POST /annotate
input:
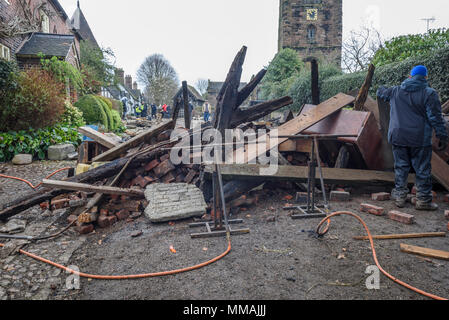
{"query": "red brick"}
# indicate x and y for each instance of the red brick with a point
(72, 218)
(382, 196)
(372, 209)
(165, 157)
(59, 204)
(85, 228)
(122, 214)
(446, 214)
(446, 198)
(153, 164)
(104, 222)
(44, 205)
(164, 168)
(401, 217)
(141, 181)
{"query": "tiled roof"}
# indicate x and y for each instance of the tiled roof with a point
(80, 24)
(57, 45)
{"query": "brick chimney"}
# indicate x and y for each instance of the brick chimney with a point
(120, 74)
(129, 82)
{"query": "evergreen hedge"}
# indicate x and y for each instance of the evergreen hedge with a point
(394, 74)
(93, 110)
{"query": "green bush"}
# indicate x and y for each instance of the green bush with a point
(281, 74)
(35, 142)
(407, 46)
(72, 117)
(118, 124)
(37, 102)
(394, 74)
(93, 110)
(108, 111)
(117, 106)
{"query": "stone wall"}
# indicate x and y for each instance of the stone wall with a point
(312, 27)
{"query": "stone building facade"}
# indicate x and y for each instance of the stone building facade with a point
(314, 28)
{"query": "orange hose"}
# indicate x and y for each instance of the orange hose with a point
(339, 213)
(29, 183)
(127, 277)
(104, 277)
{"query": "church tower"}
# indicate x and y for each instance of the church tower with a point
(314, 28)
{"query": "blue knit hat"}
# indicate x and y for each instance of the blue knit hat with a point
(419, 70)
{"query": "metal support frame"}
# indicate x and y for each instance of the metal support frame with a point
(215, 227)
(312, 210)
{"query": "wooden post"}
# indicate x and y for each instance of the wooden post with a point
(363, 93)
(185, 95)
(315, 82)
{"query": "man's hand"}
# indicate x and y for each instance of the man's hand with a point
(442, 144)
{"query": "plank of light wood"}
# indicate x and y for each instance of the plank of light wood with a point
(300, 173)
(440, 170)
(425, 252)
(72, 186)
(114, 153)
(404, 236)
(98, 137)
(303, 122)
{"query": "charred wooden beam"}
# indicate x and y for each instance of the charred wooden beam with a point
(259, 111)
(246, 91)
(363, 93)
(185, 98)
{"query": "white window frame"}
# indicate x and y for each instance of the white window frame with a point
(5, 52)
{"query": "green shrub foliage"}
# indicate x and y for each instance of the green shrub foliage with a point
(93, 110)
(35, 142)
(394, 74)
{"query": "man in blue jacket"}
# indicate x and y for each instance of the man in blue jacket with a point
(415, 113)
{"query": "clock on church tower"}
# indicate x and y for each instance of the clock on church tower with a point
(312, 27)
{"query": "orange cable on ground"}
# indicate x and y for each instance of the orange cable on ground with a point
(339, 213)
(127, 277)
(29, 183)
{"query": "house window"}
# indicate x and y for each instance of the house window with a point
(45, 22)
(311, 33)
(5, 53)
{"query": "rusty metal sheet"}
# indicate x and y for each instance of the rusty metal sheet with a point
(360, 123)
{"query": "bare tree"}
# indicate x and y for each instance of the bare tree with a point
(202, 85)
(159, 79)
(360, 48)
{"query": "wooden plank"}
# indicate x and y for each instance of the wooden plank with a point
(440, 170)
(363, 93)
(303, 122)
(300, 173)
(98, 137)
(425, 252)
(445, 107)
(146, 136)
(404, 236)
(72, 186)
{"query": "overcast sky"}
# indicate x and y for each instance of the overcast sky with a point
(201, 37)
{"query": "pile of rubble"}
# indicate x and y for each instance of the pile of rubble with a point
(121, 180)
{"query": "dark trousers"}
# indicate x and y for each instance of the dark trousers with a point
(419, 159)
